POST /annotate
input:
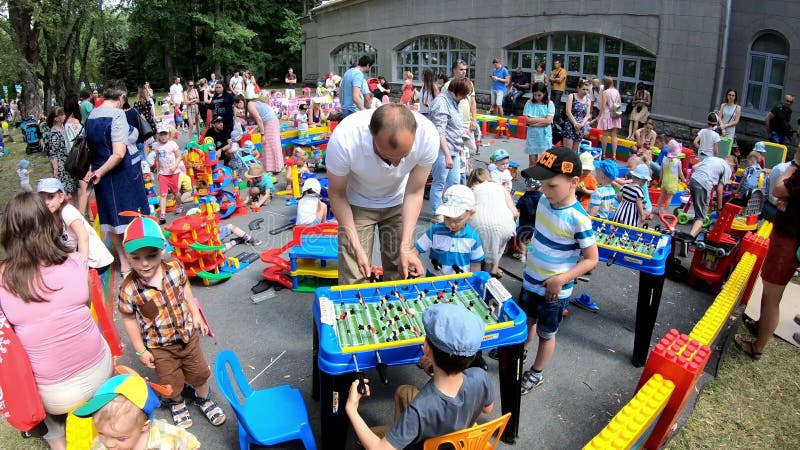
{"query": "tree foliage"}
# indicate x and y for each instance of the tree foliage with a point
(51, 47)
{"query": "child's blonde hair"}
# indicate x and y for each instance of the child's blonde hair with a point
(409, 74)
(118, 411)
(300, 153)
(478, 176)
(754, 157)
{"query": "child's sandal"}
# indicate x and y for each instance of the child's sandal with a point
(212, 411)
(180, 414)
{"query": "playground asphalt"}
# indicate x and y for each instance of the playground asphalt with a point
(587, 382)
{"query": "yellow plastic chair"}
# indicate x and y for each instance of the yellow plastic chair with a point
(479, 437)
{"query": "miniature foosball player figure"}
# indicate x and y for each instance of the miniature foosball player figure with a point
(455, 391)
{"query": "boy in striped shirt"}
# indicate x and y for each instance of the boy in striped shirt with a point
(454, 246)
(563, 230)
(604, 197)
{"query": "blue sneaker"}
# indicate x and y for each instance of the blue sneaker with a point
(585, 302)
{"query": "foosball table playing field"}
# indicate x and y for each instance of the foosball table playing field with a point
(378, 325)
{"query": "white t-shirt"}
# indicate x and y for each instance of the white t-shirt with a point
(708, 138)
(503, 178)
(307, 209)
(176, 92)
(237, 85)
(99, 256)
(166, 156)
(371, 182)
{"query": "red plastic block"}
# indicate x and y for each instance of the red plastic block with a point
(680, 360)
(757, 246)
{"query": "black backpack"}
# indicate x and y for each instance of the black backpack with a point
(78, 160)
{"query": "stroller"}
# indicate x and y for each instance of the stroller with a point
(31, 132)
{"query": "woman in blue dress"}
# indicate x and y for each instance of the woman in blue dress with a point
(579, 112)
(116, 170)
(538, 112)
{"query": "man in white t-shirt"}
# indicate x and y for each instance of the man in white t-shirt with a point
(237, 83)
(176, 92)
(378, 162)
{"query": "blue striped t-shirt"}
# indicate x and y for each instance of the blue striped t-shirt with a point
(604, 197)
(448, 248)
(559, 236)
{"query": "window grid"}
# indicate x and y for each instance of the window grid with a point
(762, 94)
(586, 55)
(434, 52)
(347, 56)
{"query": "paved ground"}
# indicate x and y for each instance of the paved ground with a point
(588, 381)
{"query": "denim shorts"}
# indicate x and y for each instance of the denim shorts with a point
(545, 315)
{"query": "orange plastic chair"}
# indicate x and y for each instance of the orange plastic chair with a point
(479, 437)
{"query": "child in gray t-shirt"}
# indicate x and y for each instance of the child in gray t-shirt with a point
(452, 400)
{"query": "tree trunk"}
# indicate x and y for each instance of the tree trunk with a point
(25, 36)
(167, 65)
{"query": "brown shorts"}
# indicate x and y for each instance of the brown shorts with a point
(781, 260)
(180, 364)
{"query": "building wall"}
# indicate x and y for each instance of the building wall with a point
(748, 19)
(684, 35)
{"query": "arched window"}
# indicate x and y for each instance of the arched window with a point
(766, 73)
(434, 52)
(347, 56)
(587, 55)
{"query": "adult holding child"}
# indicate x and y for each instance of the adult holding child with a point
(44, 287)
(378, 162)
(116, 172)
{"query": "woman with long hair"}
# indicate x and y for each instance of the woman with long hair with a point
(73, 126)
(44, 293)
(193, 107)
(729, 114)
(579, 113)
(144, 104)
(57, 148)
(538, 112)
(428, 92)
(641, 109)
(540, 76)
(408, 89)
(609, 121)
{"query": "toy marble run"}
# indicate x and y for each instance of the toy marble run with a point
(210, 178)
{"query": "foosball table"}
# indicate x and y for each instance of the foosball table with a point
(646, 251)
(378, 325)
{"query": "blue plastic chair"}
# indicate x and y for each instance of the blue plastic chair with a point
(255, 413)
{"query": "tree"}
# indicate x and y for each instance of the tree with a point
(25, 33)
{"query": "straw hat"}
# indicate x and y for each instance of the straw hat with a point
(254, 171)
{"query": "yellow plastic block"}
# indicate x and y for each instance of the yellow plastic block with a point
(313, 268)
(80, 432)
(255, 138)
(765, 230)
(706, 330)
(635, 418)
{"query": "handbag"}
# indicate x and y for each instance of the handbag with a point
(618, 110)
(145, 129)
(78, 160)
(21, 404)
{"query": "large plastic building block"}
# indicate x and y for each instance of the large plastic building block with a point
(757, 245)
(680, 360)
(709, 326)
(633, 424)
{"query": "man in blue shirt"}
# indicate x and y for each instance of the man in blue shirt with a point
(500, 78)
(352, 85)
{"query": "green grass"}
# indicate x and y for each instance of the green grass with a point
(8, 166)
(750, 405)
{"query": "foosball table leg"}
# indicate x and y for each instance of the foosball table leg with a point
(648, 302)
(334, 423)
(511, 365)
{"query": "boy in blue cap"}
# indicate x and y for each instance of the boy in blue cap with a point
(122, 411)
(453, 399)
(604, 197)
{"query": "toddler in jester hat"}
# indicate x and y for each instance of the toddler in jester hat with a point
(451, 400)
(122, 411)
(162, 320)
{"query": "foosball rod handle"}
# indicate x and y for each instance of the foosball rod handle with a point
(382, 368)
(611, 259)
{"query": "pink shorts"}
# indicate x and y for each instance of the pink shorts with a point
(169, 183)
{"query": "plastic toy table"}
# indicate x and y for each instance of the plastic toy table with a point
(317, 139)
(309, 258)
(378, 325)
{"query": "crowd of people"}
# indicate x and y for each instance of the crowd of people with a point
(378, 162)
